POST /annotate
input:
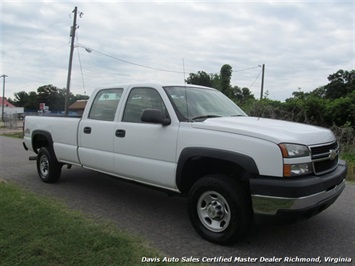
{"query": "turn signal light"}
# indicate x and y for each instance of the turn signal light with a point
(287, 170)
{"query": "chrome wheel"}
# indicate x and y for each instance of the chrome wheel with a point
(48, 167)
(44, 165)
(219, 208)
(213, 211)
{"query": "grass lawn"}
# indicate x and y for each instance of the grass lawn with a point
(17, 135)
(35, 230)
(349, 157)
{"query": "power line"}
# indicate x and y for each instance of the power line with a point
(144, 66)
(81, 70)
(255, 79)
(34, 35)
(148, 67)
(245, 69)
(139, 65)
(131, 63)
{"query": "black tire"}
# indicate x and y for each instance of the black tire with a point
(219, 209)
(48, 168)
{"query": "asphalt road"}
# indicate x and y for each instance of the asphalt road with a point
(164, 222)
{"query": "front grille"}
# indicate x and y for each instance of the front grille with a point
(324, 150)
(324, 166)
(325, 158)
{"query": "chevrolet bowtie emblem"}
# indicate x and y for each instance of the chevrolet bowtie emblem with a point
(332, 154)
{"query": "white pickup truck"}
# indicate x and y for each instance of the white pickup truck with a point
(194, 141)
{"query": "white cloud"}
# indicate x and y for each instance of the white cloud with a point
(300, 42)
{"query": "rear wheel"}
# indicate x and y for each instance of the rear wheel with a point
(48, 168)
(219, 209)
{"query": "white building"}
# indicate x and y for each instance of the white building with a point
(9, 108)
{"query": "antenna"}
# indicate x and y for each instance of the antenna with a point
(183, 69)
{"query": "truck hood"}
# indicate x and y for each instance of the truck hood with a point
(277, 131)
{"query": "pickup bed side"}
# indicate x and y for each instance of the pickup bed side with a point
(58, 133)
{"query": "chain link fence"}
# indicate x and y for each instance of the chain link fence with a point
(11, 121)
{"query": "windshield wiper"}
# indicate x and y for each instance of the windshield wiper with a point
(204, 117)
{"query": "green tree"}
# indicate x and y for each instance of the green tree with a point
(215, 79)
(48, 94)
(306, 107)
(27, 100)
(225, 76)
(201, 78)
(221, 81)
(319, 92)
(340, 84)
(33, 102)
(242, 95)
(266, 108)
(53, 97)
(341, 111)
(21, 98)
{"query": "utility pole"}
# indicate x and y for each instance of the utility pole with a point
(72, 35)
(262, 82)
(3, 97)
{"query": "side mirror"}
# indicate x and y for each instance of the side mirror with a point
(155, 116)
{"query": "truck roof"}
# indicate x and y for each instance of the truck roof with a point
(152, 84)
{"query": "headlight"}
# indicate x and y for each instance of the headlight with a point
(297, 161)
(297, 169)
(294, 150)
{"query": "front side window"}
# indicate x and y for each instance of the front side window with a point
(105, 104)
(140, 99)
(196, 103)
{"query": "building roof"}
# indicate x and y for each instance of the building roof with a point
(6, 103)
(78, 105)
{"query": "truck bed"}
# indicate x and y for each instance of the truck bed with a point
(64, 132)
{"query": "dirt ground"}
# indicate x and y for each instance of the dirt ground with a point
(5, 130)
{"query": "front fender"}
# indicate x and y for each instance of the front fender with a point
(245, 162)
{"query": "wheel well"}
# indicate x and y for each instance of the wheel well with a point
(41, 140)
(198, 167)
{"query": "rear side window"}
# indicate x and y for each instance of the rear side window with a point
(105, 104)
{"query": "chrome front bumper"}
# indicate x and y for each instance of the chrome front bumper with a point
(269, 205)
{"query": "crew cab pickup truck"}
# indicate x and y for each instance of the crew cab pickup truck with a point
(196, 142)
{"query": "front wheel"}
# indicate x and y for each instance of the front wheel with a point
(219, 209)
(48, 168)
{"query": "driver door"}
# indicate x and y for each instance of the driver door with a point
(145, 152)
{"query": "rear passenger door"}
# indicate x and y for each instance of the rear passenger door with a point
(97, 132)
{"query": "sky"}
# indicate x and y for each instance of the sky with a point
(300, 42)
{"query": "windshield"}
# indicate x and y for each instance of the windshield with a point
(192, 103)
